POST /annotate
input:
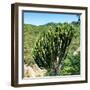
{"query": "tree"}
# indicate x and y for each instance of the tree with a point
(52, 46)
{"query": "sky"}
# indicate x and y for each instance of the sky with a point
(37, 18)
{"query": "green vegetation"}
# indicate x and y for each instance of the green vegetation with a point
(52, 46)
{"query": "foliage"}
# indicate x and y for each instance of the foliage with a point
(71, 64)
(52, 47)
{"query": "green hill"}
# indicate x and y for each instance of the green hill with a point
(71, 65)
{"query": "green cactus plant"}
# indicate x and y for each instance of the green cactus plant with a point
(52, 46)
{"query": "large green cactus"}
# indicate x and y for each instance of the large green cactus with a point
(52, 46)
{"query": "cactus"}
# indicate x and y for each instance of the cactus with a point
(52, 46)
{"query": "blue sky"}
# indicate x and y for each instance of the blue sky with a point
(43, 18)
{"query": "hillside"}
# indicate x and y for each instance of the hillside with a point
(71, 64)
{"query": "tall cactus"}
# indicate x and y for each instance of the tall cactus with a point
(52, 46)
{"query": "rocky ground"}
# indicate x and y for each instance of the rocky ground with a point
(33, 71)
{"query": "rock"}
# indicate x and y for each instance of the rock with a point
(34, 71)
(28, 71)
(76, 52)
